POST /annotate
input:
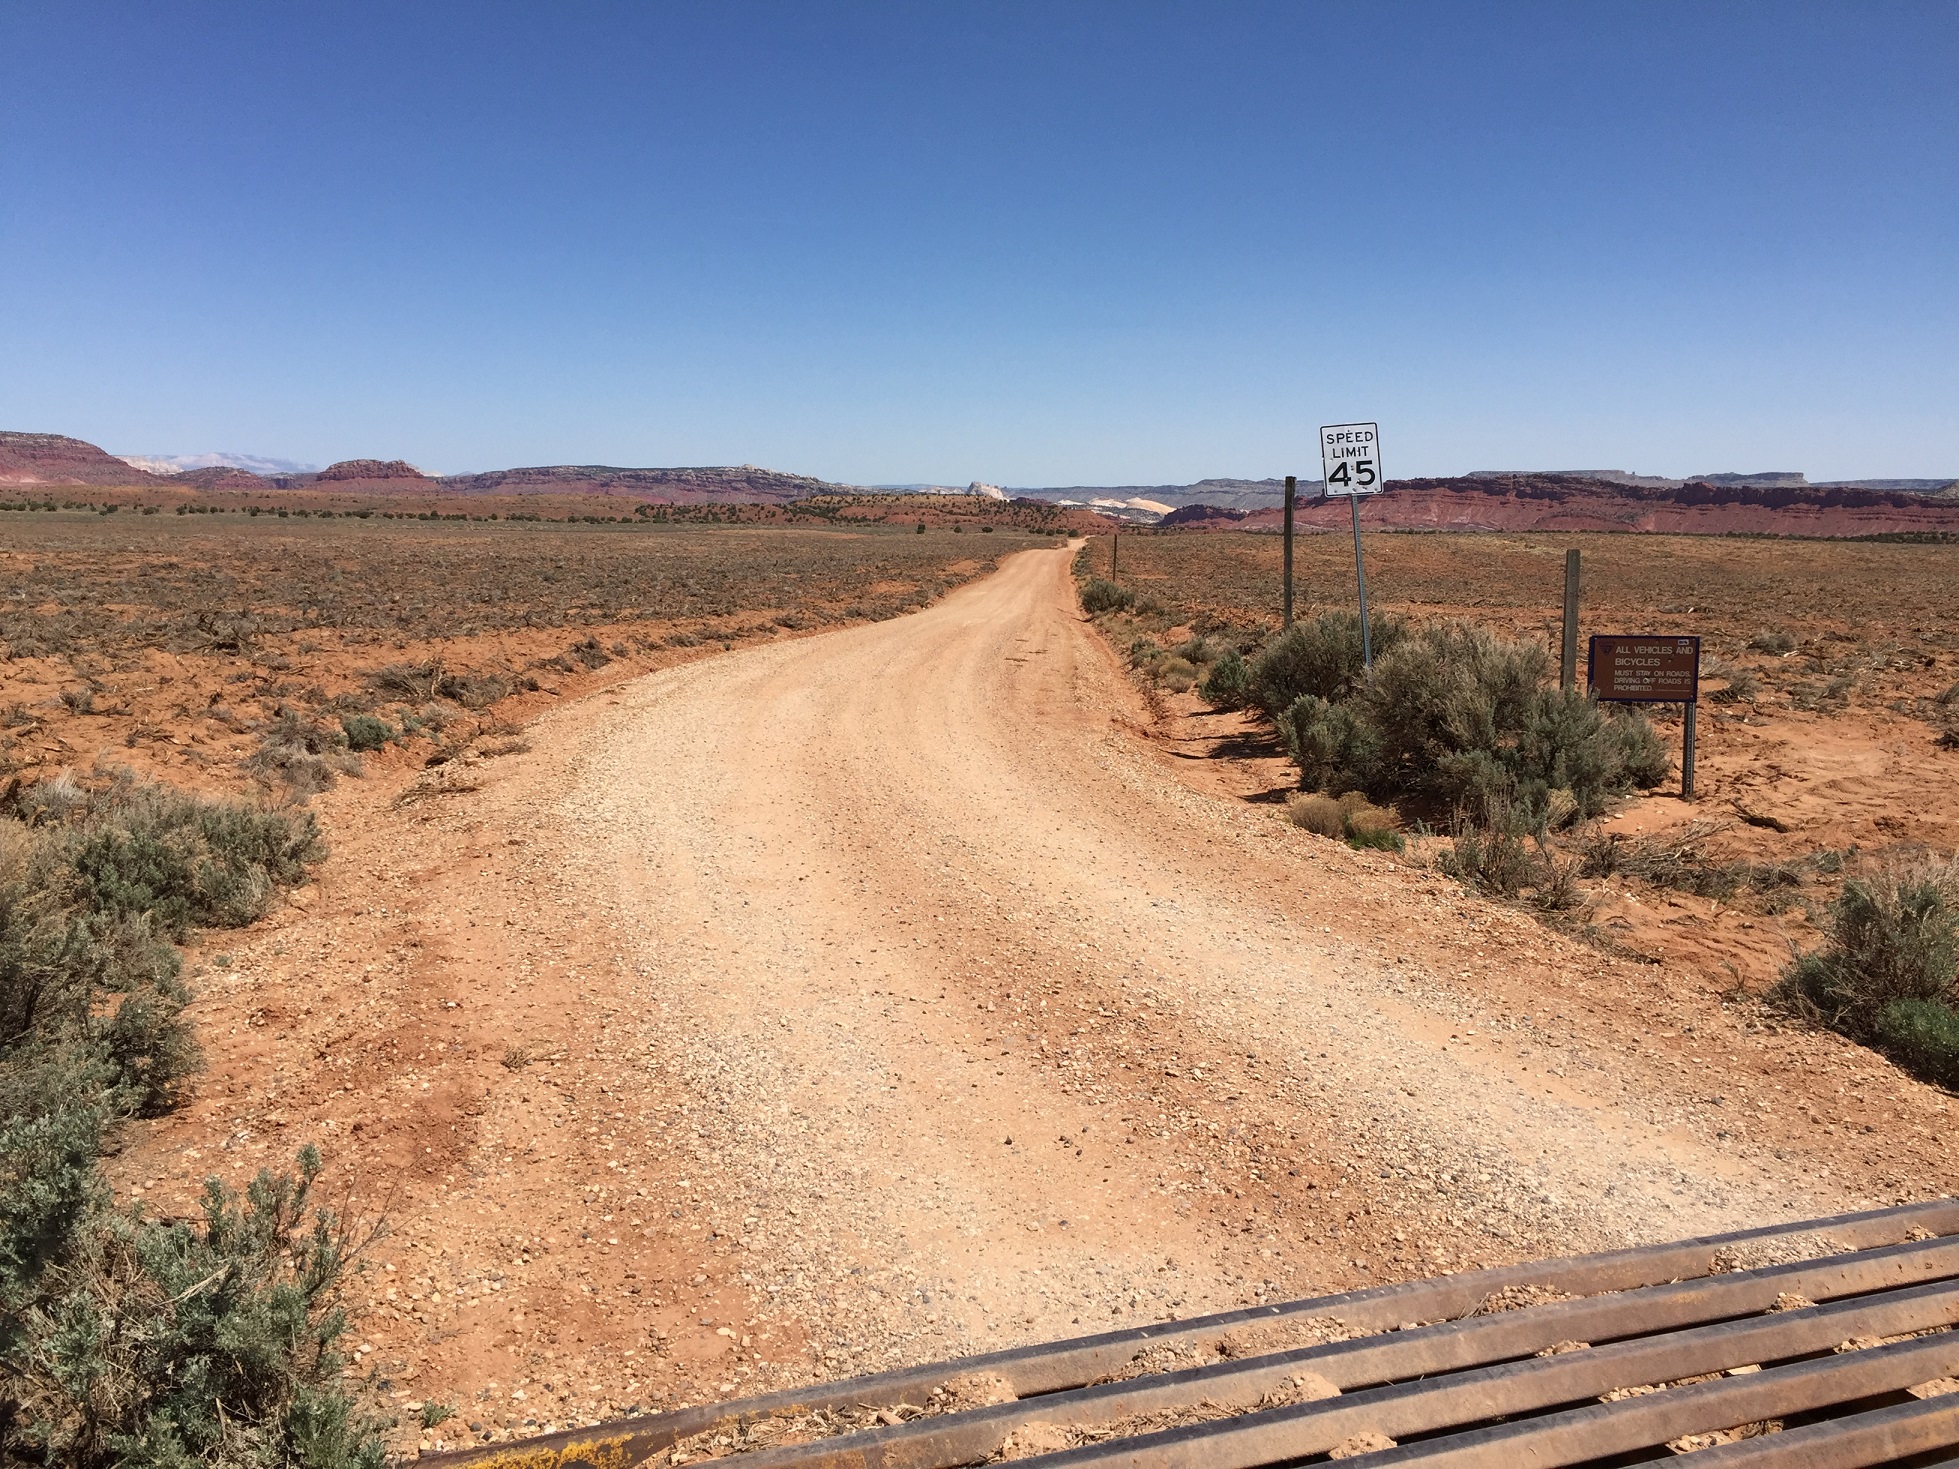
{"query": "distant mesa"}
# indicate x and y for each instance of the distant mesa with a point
(716, 484)
(56, 459)
(1204, 515)
(1772, 502)
(220, 477)
(370, 469)
(1774, 479)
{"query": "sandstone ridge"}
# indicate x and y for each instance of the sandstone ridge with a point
(56, 459)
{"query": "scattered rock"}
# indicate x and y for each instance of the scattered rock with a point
(1361, 1443)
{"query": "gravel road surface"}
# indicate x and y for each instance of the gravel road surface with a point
(897, 992)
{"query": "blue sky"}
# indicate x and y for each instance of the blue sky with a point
(1030, 244)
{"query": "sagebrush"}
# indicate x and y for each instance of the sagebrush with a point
(125, 1340)
(1888, 973)
(1452, 718)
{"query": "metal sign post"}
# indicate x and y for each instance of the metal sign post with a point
(1350, 465)
(1292, 487)
(1568, 664)
(1650, 670)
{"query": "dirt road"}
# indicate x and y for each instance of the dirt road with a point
(884, 995)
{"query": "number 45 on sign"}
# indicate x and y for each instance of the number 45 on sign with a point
(1350, 458)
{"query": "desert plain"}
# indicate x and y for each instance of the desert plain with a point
(764, 953)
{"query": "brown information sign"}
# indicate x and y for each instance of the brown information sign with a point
(1631, 669)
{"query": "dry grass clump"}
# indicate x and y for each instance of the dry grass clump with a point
(1321, 815)
(302, 754)
(429, 680)
(1680, 859)
(1505, 852)
(1351, 818)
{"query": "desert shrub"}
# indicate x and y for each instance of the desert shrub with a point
(1637, 756)
(365, 731)
(50, 1137)
(1176, 674)
(1333, 744)
(1229, 683)
(1196, 649)
(412, 681)
(124, 1340)
(209, 1343)
(590, 653)
(1923, 1035)
(1680, 859)
(423, 682)
(89, 988)
(1743, 684)
(1494, 860)
(1321, 657)
(1890, 938)
(1773, 640)
(480, 690)
(1455, 716)
(1102, 595)
(180, 861)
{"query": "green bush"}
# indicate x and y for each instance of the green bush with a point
(1229, 683)
(52, 1115)
(172, 1344)
(1101, 595)
(1320, 657)
(1888, 973)
(1924, 1035)
(124, 1341)
(1331, 743)
(1453, 718)
(186, 862)
(365, 731)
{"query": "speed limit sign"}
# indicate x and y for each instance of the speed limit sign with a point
(1350, 458)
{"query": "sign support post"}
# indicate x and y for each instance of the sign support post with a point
(1360, 576)
(1292, 486)
(1568, 668)
(1350, 464)
(1687, 756)
(1115, 540)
